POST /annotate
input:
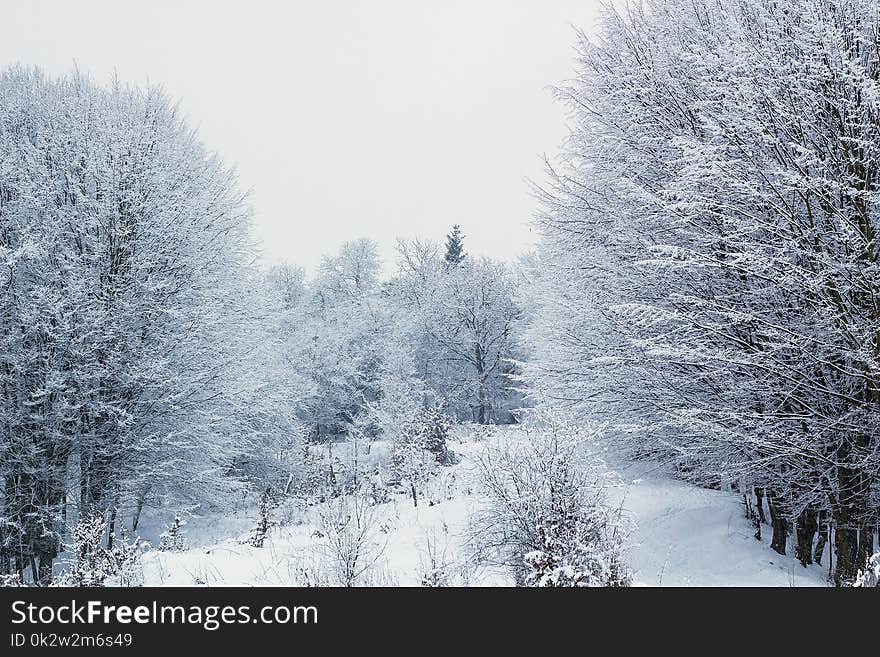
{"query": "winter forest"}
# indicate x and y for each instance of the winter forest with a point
(680, 385)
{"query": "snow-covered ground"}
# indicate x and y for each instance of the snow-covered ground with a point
(295, 550)
(684, 536)
(691, 536)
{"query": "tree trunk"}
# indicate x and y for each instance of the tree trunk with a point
(851, 529)
(759, 497)
(111, 527)
(824, 529)
(778, 524)
(5, 560)
(35, 572)
(142, 499)
(481, 380)
(846, 547)
(45, 570)
(805, 530)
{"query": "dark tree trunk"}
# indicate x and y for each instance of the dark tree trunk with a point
(846, 548)
(136, 519)
(824, 528)
(851, 529)
(45, 571)
(777, 523)
(481, 408)
(35, 571)
(752, 515)
(805, 530)
(5, 559)
(759, 503)
(95, 482)
(111, 528)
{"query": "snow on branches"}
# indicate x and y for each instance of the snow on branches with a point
(547, 520)
(708, 272)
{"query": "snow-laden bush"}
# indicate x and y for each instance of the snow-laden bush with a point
(427, 430)
(870, 576)
(421, 449)
(568, 554)
(413, 466)
(264, 522)
(435, 568)
(430, 428)
(124, 560)
(376, 490)
(119, 564)
(316, 484)
(173, 540)
(88, 568)
(351, 542)
(547, 519)
(482, 432)
(10, 580)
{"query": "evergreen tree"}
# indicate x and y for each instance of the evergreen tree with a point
(454, 246)
(173, 540)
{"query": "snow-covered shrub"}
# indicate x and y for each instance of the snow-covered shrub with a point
(547, 520)
(173, 540)
(482, 432)
(434, 564)
(95, 565)
(10, 580)
(311, 573)
(315, 485)
(430, 428)
(352, 544)
(124, 560)
(870, 576)
(413, 466)
(568, 555)
(258, 537)
(375, 489)
(325, 474)
(421, 449)
(89, 567)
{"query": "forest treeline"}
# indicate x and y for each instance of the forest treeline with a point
(148, 361)
(709, 269)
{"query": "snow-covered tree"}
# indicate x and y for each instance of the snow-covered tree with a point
(454, 247)
(468, 315)
(125, 275)
(332, 338)
(93, 564)
(707, 278)
(173, 539)
(264, 523)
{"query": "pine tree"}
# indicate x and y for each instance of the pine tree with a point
(454, 247)
(173, 540)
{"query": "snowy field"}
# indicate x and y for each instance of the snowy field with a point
(684, 536)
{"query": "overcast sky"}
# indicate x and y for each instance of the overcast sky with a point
(378, 118)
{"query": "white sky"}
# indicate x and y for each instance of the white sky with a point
(379, 118)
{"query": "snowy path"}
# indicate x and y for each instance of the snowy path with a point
(690, 536)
